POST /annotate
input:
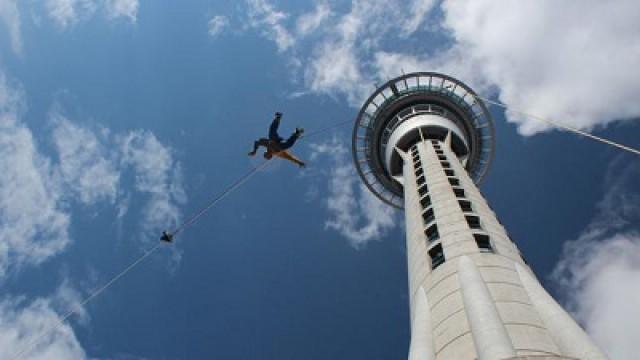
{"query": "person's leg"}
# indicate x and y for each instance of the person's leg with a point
(256, 144)
(290, 141)
(273, 129)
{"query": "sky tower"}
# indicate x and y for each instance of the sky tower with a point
(423, 142)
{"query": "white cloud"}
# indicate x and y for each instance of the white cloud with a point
(123, 8)
(308, 23)
(543, 57)
(342, 61)
(158, 175)
(217, 24)
(36, 192)
(417, 14)
(599, 273)
(67, 13)
(354, 212)
(10, 16)
(33, 225)
(84, 162)
(263, 16)
(34, 330)
(548, 58)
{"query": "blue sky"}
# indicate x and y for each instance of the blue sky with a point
(119, 118)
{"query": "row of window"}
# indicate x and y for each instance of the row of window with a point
(436, 253)
(428, 215)
(482, 240)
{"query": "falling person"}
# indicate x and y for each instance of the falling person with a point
(276, 145)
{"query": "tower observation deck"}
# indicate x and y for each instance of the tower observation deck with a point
(423, 142)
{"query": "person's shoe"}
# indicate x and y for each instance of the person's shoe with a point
(252, 153)
(299, 131)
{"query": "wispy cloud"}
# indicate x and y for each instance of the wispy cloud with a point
(353, 211)
(86, 163)
(123, 8)
(217, 24)
(158, 175)
(67, 13)
(310, 22)
(265, 17)
(599, 272)
(341, 45)
(10, 16)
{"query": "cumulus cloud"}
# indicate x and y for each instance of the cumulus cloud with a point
(33, 224)
(264, 16)
(34, 330)
(548, 58)
(85, 162)
(10, 16)
(354, 212)
(36, 190)
(217, 24)
(599, 272)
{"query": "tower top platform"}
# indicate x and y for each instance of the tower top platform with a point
(398, 112)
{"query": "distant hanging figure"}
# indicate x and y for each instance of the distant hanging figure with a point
(275, 144)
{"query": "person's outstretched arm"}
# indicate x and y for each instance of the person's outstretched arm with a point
(288, 156)
(256, 144)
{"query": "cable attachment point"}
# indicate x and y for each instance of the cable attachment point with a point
(166, 237)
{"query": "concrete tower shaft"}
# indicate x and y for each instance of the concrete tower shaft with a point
(472, 296)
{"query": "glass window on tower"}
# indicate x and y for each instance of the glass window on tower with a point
(428, 216)
(432, 233)
(465, 205)
(425, 202)
(437, 256)
(483, 242)
(473, 221)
